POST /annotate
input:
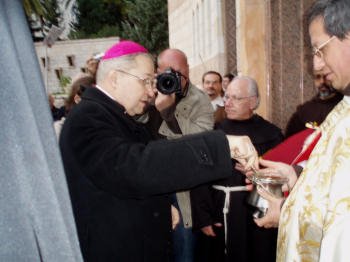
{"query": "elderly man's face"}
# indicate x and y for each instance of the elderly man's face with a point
(334, 63)
(239, 104)
(212, 85)
(134, 94)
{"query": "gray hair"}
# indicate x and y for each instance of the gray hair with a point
(253, 89)
(336, 16)
(124, 63)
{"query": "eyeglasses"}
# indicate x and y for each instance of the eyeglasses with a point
(235, 98)
(207, 82)
(146, 81)
(317, 51)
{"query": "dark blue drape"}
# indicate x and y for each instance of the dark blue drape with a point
(36, 221)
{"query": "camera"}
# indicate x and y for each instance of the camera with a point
(169, 82)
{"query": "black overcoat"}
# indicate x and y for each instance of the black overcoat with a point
(118, 179)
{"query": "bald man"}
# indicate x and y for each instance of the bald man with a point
(185, 111)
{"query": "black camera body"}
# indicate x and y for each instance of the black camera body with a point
(169, 82)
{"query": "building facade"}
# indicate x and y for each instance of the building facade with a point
(265, 39)
(66, 59)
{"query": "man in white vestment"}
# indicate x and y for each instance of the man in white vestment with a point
(314, 223)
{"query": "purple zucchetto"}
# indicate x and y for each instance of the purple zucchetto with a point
(124, 48)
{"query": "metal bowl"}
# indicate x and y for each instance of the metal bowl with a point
(272, 184)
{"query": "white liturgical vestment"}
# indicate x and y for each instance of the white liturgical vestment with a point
(315, 219)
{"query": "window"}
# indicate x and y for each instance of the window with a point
(59, 73)
(71, 60)
(43, 62)
(83, 69)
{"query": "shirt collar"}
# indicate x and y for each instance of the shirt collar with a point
(105, 92)
(218, 101)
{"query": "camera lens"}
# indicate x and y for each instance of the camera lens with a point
(169, 82)
(166, 84)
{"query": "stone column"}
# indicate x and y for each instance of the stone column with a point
(291, 79)
(272, 48)
(252, 46)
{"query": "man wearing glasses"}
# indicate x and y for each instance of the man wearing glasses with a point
(235, 229)
(314, 222)
(118, 178)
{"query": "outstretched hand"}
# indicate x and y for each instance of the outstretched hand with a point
(272, 216)
(279, 169)
(243, 151)
(248, 174)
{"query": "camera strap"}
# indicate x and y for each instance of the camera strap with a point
(182, 94)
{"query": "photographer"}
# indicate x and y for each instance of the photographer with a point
(184, 109)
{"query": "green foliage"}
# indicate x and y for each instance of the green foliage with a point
(52, 14)
(41, 15)
(147, 24)
(98, 18)
(105, 31)
(33, 7)
(143, 21)
(64, 82)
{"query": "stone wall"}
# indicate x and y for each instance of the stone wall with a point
(197, 28)
(77, 51)
(265, 39)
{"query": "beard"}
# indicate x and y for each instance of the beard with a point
(326, 91)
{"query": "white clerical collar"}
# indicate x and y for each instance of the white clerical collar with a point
(105, 92)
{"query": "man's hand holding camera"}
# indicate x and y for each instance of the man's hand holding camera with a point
(164, 102)
(168, 86)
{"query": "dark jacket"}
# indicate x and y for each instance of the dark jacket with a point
(118, 179)
(315, 110)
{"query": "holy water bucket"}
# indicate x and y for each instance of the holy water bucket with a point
(272, 184)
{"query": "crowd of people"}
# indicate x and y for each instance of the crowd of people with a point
(156, 167)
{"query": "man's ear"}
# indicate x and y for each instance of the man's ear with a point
(113, 78)
(77, 99)
(254, 102)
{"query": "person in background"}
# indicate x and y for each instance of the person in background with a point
(315, 110)
(314, 223)
(81, 82)
(57, 113)
(212, 85)
(226, 79)
(187, 111)
(245, 241)
(92, 64)
(119, 179)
